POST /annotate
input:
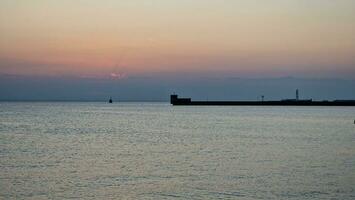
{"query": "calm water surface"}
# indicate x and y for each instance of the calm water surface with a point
(156, 151)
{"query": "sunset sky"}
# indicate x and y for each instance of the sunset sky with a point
(124, 38)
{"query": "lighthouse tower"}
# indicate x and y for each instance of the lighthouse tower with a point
(297, 97)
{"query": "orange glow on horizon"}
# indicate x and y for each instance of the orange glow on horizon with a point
(140, 37)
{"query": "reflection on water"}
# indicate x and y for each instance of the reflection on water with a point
(156, 151)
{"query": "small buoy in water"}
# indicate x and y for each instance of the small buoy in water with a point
(110, 101)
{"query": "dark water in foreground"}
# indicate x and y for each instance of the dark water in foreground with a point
(156, 151)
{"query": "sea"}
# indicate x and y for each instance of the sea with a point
(96, 150)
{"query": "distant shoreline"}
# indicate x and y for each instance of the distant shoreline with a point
(83, 101)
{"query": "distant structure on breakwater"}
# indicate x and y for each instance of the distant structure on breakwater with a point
(176, 101)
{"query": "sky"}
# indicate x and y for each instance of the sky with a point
(168, 40)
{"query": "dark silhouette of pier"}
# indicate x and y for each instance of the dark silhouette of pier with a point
(176, 101)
